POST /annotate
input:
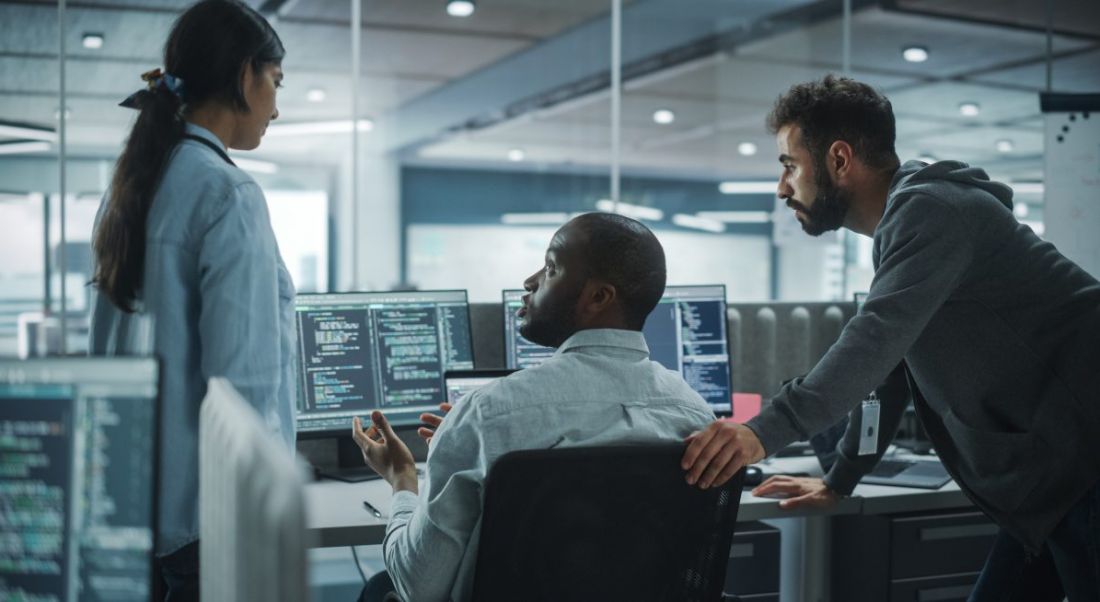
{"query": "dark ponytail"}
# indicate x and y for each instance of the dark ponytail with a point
(209, 45)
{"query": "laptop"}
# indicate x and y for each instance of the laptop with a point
(919, 474)
(460, 383)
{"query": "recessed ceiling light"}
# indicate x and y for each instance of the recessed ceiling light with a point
(760, 186)
(1004, 145)
(1020, 210)
(698, 223)
(737, 217)
(747, 149)
(57, 114)
(969, 109)
(915, 54)
(316, 95)
(664, 116)
(17, 130)
(526, 219)
(307, 128)
(460, 8)
(19, 148)
(93, 41)
(516, 155)
(630, 210)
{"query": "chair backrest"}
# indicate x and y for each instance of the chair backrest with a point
(252, 541)
(603, 523)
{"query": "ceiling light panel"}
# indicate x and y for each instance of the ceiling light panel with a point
(92, 41)
(663, 116)
(915, 54)
(461, 8)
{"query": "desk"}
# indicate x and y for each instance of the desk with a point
(336, 516)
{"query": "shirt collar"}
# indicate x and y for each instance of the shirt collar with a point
(632, 340)
(201, 132)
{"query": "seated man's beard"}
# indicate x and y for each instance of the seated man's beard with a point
(550, 325)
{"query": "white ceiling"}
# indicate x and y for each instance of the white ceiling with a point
(411, 49)
(724, 101)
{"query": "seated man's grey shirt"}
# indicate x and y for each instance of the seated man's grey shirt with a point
(599, 388)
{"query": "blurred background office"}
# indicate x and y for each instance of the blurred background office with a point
(438, 144)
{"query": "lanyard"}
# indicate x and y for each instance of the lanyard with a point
(215, 147)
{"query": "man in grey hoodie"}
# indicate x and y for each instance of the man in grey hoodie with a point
(996, 334)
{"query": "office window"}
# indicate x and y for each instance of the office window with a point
(301, 224)
(22, 265)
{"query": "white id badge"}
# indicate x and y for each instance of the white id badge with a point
(868, 437)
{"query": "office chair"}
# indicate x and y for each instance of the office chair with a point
(603, 523)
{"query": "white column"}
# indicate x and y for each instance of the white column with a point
(377, 235)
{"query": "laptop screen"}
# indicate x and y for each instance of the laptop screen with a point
(460, 383)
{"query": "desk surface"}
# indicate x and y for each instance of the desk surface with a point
(336, 516)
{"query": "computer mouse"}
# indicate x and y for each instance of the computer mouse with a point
(754, 475)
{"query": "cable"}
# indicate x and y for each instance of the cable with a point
(358, 567)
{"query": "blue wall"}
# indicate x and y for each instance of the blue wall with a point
(461, 196)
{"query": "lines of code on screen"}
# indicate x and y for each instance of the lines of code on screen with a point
(88, 463)
(358, 357)
(705, 351)
(686, 333)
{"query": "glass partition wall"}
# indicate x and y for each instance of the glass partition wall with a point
(435, 144)
(440, 144)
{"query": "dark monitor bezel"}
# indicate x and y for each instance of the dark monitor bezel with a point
(476, 373)
(157, 400)
(726, 411)
(300, 385)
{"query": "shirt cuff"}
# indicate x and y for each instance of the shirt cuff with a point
(773, 429)
(844, 476)
(403, 502)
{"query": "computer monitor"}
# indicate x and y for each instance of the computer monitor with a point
(460, 383)
(686, 332)
(519, 353)
(78, 487)
(377, 351)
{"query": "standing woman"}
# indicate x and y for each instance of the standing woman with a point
(186, 260)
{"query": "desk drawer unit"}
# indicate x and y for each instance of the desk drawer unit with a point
(751, 598)
(955, 588)
(916, 557)
(942, 544)
(753, 571)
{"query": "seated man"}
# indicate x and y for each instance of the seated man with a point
(604, 274)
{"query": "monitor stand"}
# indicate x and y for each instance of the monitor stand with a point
(350, 467)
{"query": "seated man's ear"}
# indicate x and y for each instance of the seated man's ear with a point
(597, 297)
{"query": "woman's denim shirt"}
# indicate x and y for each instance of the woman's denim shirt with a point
(216, 300)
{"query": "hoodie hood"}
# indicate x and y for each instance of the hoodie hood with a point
(914, 174)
